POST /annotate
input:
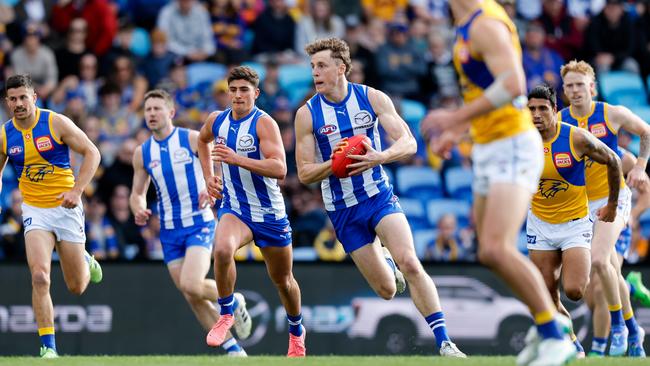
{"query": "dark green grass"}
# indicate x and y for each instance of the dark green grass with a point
(283, 361)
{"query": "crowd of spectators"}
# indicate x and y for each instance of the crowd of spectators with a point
(94, 60)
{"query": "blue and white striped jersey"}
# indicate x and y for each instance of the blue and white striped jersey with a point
(333, 121)
(255, 197)
(176, 174)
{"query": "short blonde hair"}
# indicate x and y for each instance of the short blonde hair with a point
(340, 50)
(580, 67)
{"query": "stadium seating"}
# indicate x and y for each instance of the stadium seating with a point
(412, 112)
(415, 213)
(292, 75)
(204, 73)
(418, 182)
(140, 42)
(621, 87)
(437, 208)
(458, 183)
(422, 238)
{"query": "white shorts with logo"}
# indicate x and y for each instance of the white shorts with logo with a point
(65, 223)
(517, 159)
(542, 235)
(624, 205)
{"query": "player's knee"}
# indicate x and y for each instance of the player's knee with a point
(489, 255)
(574, 292)
(387, 290)
(77, 287)
(40, 279)
(410, 266)
(282, 281)
(599, 264)
(223, 253)
(191, 290)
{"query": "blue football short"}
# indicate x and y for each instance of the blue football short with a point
(276, 233)
(176, 241)
(355, 226)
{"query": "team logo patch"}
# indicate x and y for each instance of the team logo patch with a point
(599, 130)
(27, 221)
(205, 230)
(562, 160)
(220, 140)
(15, 150)
(548, 188)
(462, 51)
(546, 150)
(246, 144)
(327, 129)
(363, 119)
(182, 156)
(154, 164)
(44, 143)
(531, 239)
(37, 172)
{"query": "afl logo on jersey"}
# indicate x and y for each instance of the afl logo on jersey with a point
(15, 150)
(154, 164)
(562, 160)
(182, 156)
(363, 120)
(220, 140)
(327, 129)
(44, 143)
(246, 143)
(599, 130)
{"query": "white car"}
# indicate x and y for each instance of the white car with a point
(473, 311)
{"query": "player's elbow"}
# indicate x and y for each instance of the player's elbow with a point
(412, 145)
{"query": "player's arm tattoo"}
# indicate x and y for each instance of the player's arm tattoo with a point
(644, 146)
(600, 153)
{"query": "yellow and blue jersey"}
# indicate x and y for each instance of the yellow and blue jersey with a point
(597, 123)
(41, 160)
(475, 77)
(562, 193)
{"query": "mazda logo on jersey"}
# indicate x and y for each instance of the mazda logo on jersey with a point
(246, 143)
(182, 156)
(327, 129)
(363, 119)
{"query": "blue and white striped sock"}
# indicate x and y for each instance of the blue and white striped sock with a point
(231, 345)
(295, 324)
(437, 324)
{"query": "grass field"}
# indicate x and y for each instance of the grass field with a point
(283, 361)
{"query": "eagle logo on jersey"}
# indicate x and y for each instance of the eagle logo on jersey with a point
(548, 188)
(37, 172)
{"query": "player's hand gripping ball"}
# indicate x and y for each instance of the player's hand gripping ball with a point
(345, 148)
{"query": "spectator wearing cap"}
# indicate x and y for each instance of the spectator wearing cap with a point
(68, 56)
(399, 64)
(320, 23)
(541, 64)
(156, 65)
(611, 39)
(188, 29)
(37, 60)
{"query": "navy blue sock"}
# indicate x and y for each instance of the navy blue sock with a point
(437, 324)
(227, 304)
(616, 315)
(295, 324)
(632, 326)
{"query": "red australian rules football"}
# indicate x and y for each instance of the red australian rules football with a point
(340, 160)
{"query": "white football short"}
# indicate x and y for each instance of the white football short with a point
(65, 223)
(517, 159)
(542, 235)
(623, 209)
